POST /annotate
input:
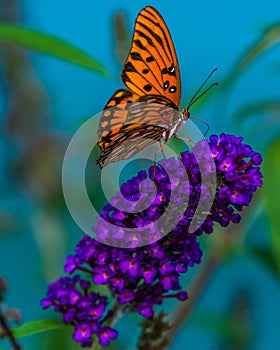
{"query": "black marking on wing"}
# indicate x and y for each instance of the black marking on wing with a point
(169, 71)
(166, 85)
(139, 44)
(157, 37)
(172, 89)
(150, 59)
(129, 67)
(136, 56)
(148, 87)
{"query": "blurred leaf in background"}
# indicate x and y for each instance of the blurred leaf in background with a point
(271, 193)
(122, 39)
(43, 43)
(234, 329)
(269, 38)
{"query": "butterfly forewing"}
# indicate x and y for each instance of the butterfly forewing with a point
(152, 66)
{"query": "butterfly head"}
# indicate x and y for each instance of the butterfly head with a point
(185, 114)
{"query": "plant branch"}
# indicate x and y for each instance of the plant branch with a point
(7, 332)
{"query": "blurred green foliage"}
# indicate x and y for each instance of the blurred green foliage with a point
(46, 44)
(271, 194)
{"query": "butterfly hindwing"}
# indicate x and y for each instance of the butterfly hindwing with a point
(134, 126)
(112, 119)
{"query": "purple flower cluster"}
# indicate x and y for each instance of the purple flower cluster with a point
(232, 164)
(84, 309)
(238, 174)
(141, 277)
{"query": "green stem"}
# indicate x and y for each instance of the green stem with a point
(96, 346)
(110, 322)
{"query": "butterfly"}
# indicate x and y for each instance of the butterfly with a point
(147, 110)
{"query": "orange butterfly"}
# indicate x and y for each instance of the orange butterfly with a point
(151, 74)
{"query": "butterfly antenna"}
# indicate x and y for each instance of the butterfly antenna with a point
(195, 98)
(202, 94)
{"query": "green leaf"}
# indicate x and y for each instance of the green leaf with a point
(36, 327)
(58, 340)
(271, 192)
(269, 38)
(47, 44)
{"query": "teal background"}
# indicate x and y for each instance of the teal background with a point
(36, 231)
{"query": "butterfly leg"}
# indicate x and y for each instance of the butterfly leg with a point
(156, 153)
(187, 139)
(162, 149)
(182, 138)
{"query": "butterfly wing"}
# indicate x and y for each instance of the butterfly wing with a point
(114, 115)
(135, 138)
(152, 66)
(144, 122)
(151, 74)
